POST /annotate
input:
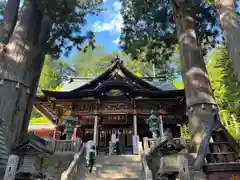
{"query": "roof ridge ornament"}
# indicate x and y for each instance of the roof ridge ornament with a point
(118, 60)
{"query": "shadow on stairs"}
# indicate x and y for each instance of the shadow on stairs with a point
(114, 167)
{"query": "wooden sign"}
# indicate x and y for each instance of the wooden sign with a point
(114, 119)
(145, 107)
(11, 167)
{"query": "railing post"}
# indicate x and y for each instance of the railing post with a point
(77, 144)
(54, 144)
(183, 168)
(145, 144)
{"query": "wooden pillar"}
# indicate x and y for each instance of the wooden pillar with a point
(135, 139)
(95, 132)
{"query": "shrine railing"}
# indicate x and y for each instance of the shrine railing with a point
(148, 143)
(74, 168)
(64, 146)
(146, 172)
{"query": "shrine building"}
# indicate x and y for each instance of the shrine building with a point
(115, 101)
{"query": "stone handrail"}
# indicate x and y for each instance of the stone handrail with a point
(61, 146)
(73, 168)
(146, 172)
(148, 143)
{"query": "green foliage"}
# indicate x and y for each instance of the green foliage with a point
(51, 78)
(49, 75)
(226, 88)
(139, 68)
(90, 62)
(45, 163)
(178, 84)
(39, 120)
(149, 31)
(93, 62)
(68, 18)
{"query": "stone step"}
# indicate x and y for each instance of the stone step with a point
(118, 159)
(114, 167)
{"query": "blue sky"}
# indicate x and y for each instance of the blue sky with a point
(106, 26)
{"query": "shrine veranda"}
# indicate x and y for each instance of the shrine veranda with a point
(117, 100)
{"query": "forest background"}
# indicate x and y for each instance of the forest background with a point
(91, 63)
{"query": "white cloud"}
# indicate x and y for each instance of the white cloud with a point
(113, 20)
(116, 41)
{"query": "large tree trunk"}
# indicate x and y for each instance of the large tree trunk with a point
(34, 74)
(201, 108)
(10, 16)
(231, 28)
(15, 69)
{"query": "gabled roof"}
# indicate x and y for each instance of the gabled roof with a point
(35, 142)
(115, 77)
(116, 68)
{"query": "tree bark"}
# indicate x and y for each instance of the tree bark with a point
(231, 29)
(10, 16)
(201, 105)
(34, 76)
(15, 67)
(199, 95)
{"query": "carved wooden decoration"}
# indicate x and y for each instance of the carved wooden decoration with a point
(145, 107)
(114, 119)
(85, 107)
(116, 107)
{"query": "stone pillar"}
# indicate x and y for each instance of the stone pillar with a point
(135, 139)
(95, 132)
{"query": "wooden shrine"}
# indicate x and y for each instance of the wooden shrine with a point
(117, 100)
(32, 152)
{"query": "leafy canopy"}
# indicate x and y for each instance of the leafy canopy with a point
(149, 31)
(226, 88)
(68, 18)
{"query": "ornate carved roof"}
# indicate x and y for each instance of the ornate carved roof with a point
(115, 77)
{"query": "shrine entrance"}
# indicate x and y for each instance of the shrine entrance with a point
(119, 124)
(125, 136)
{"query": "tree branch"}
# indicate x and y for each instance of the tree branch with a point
(10, 16)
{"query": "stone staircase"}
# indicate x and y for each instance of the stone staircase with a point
(114, 167)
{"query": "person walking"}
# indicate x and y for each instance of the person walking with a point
(90, 154)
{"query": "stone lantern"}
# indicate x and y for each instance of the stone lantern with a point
(70, 123)
(154, 125)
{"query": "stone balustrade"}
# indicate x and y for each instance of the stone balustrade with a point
(64, 146)
(148, 143)
(146, 172)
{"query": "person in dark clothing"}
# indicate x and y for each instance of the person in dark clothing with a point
(63, 136)
(117, 145)
(121, 138)
(91, 160)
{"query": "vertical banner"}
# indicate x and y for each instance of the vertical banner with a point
(11, 167)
